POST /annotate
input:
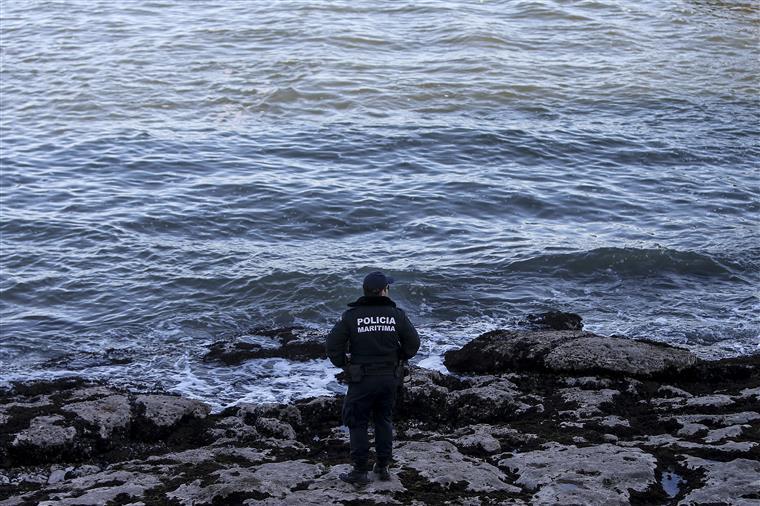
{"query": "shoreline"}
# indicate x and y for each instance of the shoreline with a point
(529, 417)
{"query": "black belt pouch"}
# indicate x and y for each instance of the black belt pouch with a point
(355, 373)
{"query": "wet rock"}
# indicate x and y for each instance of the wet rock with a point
(425, 396)
(719, 420)
(479, 439)
(673, 391)
(587, 402)
(588, 382)
(492, 399)
(441, 463)
(668, 441)
(713, 401)
(602, 474)
(750, 393)
(275, 428)
(295, 343)
(168, 410)
(106, 414)
(451, 431)
(734, 482)
(614, 421)
(557, 320)
(690, 429)
(319, 412)
(95, 391)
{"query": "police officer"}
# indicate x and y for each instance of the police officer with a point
(378, 336)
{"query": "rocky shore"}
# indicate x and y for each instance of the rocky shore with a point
(526, 417)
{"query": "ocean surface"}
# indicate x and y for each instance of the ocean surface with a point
(178, 173)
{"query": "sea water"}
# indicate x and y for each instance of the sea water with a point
(174, 174)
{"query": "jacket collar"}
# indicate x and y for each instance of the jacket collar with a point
(372, 300)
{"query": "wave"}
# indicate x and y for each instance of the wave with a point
(628, 262)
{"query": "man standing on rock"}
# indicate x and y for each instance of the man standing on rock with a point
(378, 335)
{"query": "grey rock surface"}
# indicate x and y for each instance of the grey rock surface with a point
(715, 401)
(735, 482)
(441, 463)
(524, 436)
(168, 410)
(732, 431)
(601, 474)
(107, 413)
(588, 402)
(618, 355)
(502, 351)
(46, 432)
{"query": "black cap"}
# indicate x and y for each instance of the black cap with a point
(376, 281)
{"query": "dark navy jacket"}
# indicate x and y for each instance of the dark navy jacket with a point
(374, 331)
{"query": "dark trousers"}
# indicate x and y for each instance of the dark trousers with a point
(374, 395)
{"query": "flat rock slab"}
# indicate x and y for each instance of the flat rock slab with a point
(107, 413)
(100, 488)
(268, 480)
(441, 463)
(168, 410)
(328, 490)
(601, 474)
(45, 432)
(734, 482)
(567, 351)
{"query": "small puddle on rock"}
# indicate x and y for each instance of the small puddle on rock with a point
(671, 483)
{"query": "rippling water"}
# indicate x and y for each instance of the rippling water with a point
(175, 174)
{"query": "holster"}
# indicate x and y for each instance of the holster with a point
(401, 371)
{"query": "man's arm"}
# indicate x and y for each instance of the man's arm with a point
(410, 339)
(337, 343)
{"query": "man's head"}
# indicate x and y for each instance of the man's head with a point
(377, 283)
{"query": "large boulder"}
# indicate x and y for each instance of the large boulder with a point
(505, 350)
(618, 355)
(567, 352)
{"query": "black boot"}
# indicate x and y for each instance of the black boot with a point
(382, 472)
(356, 477)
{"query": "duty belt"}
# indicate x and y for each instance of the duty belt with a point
(390, 359)
(386, 369)
(376, 365)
